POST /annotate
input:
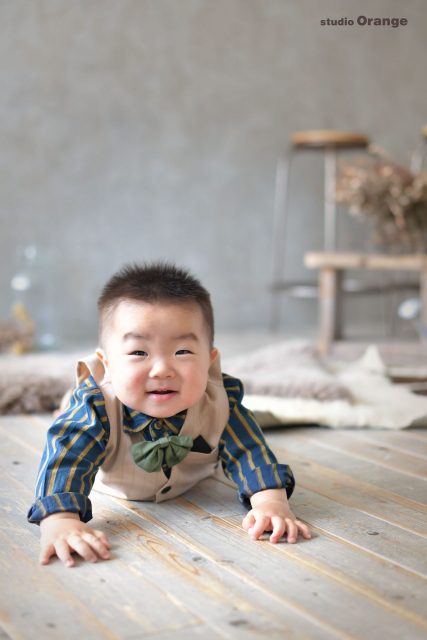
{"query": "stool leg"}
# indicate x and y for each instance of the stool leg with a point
(330, 205)
(338, 333)
(329, 307)
(281, 212)
(423, 294)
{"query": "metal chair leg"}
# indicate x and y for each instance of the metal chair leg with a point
(281, 212)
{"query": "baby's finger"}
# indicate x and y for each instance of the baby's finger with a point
(279, 527)
(248, 521)
(303, 528)
(83, 548)
(46, 553)
(261, 524)
(292, 530)
(101, 535)
(96, 544)
(63, 552)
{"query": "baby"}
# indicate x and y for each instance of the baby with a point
(152, 415)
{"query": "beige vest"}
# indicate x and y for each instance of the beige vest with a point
(121, 477)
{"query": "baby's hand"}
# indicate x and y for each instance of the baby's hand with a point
(270, 512)
(63, 534)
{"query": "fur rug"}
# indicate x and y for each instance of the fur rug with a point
(286, 370)
(284, 384)
(288, 384)
(35, 382)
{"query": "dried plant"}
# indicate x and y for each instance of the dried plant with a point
(392, 198)
(17, 335)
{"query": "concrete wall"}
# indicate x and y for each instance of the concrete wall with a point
(143, 129)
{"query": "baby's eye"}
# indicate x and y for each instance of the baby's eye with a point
(139, 353)
(183, 352)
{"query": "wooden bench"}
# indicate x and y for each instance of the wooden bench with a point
(332, 266)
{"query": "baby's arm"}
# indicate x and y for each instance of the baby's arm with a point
(63, 533)
(247, 459)
(270, 512)
(74, 450)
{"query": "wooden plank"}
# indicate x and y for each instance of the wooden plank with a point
(141, 544)
(186, 575)
(25, 434)
(29, 611)
(417, 433)
(336, 556)
(352, 443)
(256, 568)
(270, 563)
(403, 441)
(170, 573)
(31, 428)
(315, 447)
(357, 494)
(60, 589)
(403, 548)
(199, 631)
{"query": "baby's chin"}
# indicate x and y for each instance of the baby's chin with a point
(166, 409)
(161, 403)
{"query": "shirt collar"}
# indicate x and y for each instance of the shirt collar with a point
(134, 421)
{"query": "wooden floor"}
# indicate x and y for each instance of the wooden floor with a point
(186, 569)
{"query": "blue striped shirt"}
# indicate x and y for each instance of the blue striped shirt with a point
(76, 447)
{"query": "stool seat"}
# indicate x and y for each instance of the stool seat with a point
(323, 138)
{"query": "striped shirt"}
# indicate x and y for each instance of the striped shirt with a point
(76, 447)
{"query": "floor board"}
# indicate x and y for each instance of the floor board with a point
(186, 569)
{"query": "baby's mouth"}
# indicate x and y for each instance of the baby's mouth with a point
(162, 393)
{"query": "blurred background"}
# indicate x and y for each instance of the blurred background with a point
(136, 130)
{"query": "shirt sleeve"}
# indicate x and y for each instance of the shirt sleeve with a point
(245, 456)
(75, 448)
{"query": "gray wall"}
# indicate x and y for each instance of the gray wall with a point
(150, 129)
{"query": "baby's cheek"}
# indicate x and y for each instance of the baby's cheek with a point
(195, 388)
(129, 389)
(134, 385)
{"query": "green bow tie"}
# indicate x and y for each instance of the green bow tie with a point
(169, 450)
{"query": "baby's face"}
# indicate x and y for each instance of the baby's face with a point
(157, 356)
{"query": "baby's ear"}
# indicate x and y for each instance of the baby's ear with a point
(101, 355)
(214, 354)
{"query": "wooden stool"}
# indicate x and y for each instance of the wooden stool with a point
(332, 266)
(330, 142)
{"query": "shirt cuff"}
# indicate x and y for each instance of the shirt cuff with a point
(58, 502)
(272, 476)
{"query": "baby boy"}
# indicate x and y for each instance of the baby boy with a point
(152, 415)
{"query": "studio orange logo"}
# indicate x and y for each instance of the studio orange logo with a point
(363, 21)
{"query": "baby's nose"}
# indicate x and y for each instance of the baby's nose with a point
(161, 367)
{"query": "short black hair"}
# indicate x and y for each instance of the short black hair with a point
(154, 282)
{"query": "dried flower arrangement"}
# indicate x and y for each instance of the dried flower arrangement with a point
(17, 334)
(390, 196)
